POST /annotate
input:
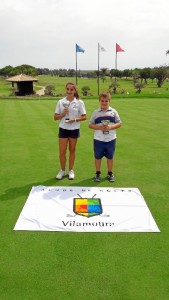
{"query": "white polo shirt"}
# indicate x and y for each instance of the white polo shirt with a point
(76, 109)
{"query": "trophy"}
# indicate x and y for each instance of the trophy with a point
(105, 123)
(66, 104)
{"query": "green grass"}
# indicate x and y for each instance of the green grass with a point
(150, 91)
(94, 266)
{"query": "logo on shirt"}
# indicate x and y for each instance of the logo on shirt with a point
(75, 106)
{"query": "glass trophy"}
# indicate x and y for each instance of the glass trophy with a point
(105, 123)
(66, 104)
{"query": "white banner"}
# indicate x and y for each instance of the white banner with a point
(86, 209)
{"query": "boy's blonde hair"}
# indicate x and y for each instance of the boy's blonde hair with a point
(105, 95)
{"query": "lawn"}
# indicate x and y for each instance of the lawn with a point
(94, 266)
(150, 90)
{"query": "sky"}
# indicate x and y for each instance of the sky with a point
(43, 33)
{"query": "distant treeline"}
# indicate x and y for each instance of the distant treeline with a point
(158, 73)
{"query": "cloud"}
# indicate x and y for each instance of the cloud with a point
(43, 33)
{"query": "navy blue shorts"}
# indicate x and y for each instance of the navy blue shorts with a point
(64, 133)
(106, 149)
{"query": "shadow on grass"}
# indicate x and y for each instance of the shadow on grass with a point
(15, 192)
(88, 182)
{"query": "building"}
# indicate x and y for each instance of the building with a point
(24, 84)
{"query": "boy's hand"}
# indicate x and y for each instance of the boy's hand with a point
(105, 127)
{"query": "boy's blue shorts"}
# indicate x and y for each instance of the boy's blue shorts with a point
(106, 149)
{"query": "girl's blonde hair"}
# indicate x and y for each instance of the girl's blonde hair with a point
(75, 88)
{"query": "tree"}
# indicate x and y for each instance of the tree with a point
(113, 87)
(145, 74)
(152, 75)
(71, 73)
(138, 86)
(91, 74)
(135, 74)
(103, 74)
(103, 71)
(115, 73)
(112, 73)
(25, 69)
(161, 74)
(127, 73)
(6, 71)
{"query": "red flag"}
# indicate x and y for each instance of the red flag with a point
(118, 48)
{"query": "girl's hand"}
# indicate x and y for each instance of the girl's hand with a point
(71, 121)
(65, 111)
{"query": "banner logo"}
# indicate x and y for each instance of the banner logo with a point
(87, 207)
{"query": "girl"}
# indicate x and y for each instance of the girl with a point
(70, 111)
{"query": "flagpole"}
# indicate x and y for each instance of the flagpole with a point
(116, 62)
(116, 59)
(76, 67)
(78, 49)
(118, 49)
(98, 76)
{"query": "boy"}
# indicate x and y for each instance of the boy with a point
(104, 120)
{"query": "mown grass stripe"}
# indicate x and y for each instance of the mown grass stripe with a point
(120, 265)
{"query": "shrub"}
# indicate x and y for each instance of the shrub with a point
(85, 90)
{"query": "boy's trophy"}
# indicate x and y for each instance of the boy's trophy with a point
(66, 104)
(105, 123)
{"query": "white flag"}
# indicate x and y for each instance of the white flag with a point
(86, 209)
(101, 49)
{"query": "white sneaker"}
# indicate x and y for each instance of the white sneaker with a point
(71, 174)
(61, 174)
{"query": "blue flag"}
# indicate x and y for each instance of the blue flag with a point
(79, 49)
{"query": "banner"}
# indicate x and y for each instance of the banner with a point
(86, 209)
